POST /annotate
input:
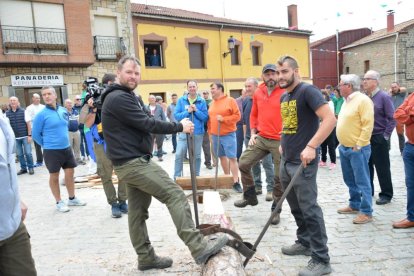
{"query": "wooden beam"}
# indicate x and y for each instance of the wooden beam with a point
(206, 182)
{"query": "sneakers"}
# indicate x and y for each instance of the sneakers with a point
(21, 172)
(237, 187)
(269, 196)
(38, 164)
(258, 190)
(296, 249)
(332, 166)
(116, 211)
(347, 210)
(213, 246)
(76, 202)
(362, 219)
(158, 263)
(123, 206)
(62, 207)
(322, 164)
(316, 268)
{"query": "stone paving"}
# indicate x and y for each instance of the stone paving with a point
(87, 241)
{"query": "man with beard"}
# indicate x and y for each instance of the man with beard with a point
(303, 107)
(129, 147)
(265, 128)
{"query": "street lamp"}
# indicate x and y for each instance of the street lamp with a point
(256, 35)
(230, 45)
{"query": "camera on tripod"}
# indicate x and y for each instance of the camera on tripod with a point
(94, 91)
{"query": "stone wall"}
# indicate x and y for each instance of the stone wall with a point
(381, 57)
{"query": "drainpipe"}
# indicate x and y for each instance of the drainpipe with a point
(395, 57)
(221, 57)
(337, 56)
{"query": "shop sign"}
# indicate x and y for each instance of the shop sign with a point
(36, 80)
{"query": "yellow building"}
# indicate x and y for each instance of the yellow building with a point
(175, 46)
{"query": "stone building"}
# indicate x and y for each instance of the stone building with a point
(60, 43)
(389, 51)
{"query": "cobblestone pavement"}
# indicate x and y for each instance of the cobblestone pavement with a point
(87, 241)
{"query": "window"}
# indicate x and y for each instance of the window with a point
(235, 93)
(32, 27)
(255, 55)
(196, 53)
(347, 70)
(366, 66)
(235, 60)
(153, 53)
(107, 43)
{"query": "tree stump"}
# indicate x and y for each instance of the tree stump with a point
(228, 261)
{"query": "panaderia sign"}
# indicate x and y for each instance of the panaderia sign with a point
(36, 80)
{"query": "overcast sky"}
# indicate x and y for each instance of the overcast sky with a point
(322, 17)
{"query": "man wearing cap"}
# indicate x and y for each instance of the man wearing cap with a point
(265, 129)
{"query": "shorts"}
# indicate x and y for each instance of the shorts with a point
(58, 158)
(228, 145)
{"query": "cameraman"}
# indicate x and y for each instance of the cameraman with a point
(105, 168)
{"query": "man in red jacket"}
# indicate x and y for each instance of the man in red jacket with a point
(405, 115)
(265, 128)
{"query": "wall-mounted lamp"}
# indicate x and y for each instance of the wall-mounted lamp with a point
(230, 45)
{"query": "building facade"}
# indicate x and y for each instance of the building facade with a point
(327, 59)
(389, 51)
(60, 43)
(175, 46)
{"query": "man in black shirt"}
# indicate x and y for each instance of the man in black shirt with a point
(129, 146)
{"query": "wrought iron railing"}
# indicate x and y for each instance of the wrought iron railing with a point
(17, 37)
(108, 47)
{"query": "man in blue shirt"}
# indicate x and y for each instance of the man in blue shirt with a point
(50, 130)
(193, 107)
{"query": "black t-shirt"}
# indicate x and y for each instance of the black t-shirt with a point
(300, 121)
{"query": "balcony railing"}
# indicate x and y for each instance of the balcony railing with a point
(16, 37)
(108, 47)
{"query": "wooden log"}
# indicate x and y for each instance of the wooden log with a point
(228, 261)
(206, 182)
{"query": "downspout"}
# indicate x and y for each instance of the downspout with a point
(337, 56)
(395, 57)
(221, 57)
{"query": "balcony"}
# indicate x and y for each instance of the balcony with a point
(33, 38)
(108, 47)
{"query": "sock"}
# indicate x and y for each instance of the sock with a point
(72, 198)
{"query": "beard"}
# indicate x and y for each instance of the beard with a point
(130, 85)
(270, 83)
(288, 83)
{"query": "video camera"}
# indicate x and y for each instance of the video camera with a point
(94, 91)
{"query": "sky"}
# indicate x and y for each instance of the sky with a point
(322, 17)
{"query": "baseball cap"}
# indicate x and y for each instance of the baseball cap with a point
(269, 67)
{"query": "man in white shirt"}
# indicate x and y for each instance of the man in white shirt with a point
(31, 112)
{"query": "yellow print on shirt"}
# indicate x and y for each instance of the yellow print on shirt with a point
(289, 117)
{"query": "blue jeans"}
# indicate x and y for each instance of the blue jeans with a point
(356, 176)
(181, 151)
(408, 157)
(267, 163)
(24, 152)
(174, 141)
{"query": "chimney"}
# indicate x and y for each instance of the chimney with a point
(293, 17)
(390, 21)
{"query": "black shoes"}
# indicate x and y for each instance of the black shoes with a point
(275, 220)
(296, 249)
(382, 201)
(22, 172)
(31, 171)
(237, 187)
(249, 198)
(158, 263)
(208, 166)
(213, 247)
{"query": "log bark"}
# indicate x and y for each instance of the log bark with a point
(228, 261)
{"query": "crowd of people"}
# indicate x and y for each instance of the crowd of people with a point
(282, 124)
